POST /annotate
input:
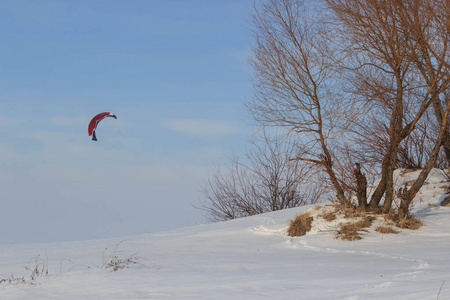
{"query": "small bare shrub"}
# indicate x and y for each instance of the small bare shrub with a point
(115, 263)
(38, 268)
(268, 181)
(13, 280)
(112, 261)
(300, 225)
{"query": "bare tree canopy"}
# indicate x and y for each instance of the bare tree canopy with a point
(268, 181)
(335, 71)
(361, 86)
(295, 80)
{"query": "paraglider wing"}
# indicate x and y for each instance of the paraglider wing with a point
(94, 122)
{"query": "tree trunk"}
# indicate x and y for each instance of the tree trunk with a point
(407, 196)
(439, 112)
(361, 187)
(337, 186)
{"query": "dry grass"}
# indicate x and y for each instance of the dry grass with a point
(358, 222)
(318, 207)
(350, 212)
(300, 225)
(386, 229)
(412, 223)
(328, 216)
(411, 182)
(409, 222)
(405, 171)
(351, 231)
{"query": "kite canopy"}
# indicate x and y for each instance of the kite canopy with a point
(94, 122)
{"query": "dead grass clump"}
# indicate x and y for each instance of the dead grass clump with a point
(386, 229)
(350, 212)
(412, 223)
(409, 222)
(328, 216)
(409, 170)
(352, 231)
(318, 207)
(300, 225)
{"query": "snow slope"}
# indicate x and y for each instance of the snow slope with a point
(249, 258)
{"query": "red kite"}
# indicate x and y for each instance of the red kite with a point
(94, 122)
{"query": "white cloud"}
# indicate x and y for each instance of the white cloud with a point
(200, 127)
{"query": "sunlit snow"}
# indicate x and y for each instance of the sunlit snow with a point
(249, 258)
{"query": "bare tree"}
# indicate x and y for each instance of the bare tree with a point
(429, 23)
(269, 181)
(395, 44)
(387, 58)
(380, 72)
(295, 81)
(372, 138)
(415, 150)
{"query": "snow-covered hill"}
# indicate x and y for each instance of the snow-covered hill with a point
(249, 258)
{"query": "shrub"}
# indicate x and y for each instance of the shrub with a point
(37, 266)
(269, 181)
(111, 260)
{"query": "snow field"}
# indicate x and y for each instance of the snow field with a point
(249, 258)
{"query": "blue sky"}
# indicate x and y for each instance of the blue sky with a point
(174, 72)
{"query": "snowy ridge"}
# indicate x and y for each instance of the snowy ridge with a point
(249, 258)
